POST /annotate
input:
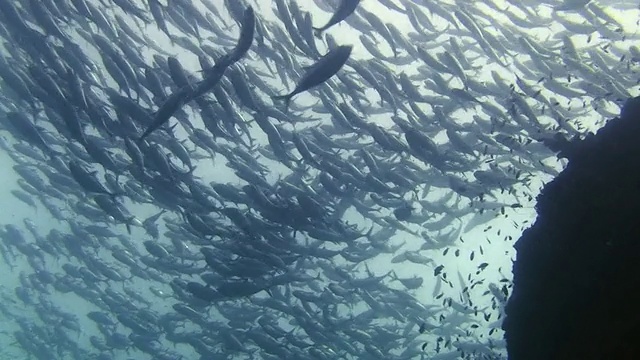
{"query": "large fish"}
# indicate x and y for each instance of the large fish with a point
(321, 71)
(346, 8)
(246, 35)
(29, 132)
(174, 102)
(187, 92)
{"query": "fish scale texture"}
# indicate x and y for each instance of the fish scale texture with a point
(577, 270)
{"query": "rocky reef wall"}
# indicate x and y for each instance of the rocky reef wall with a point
(577, 271)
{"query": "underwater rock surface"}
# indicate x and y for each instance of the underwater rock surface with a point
(577, 270)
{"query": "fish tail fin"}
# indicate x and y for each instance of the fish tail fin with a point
(394, 276)
(368, 234)
(317, 32)
(366, 267)
(169, 129)
(285, 99)
(170, 37)
(415, 194)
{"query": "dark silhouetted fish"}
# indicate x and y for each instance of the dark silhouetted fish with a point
(346, 8)
(318, 73)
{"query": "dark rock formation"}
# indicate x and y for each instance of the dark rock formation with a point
(576, 288)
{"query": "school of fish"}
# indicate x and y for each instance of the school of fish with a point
(291, 179)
